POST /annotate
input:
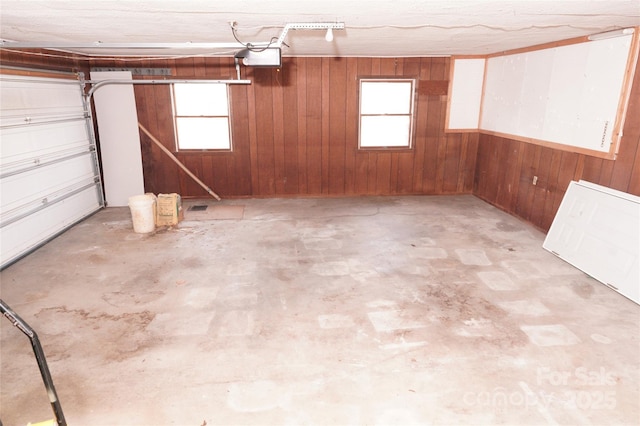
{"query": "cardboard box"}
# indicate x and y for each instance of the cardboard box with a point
(168, 210)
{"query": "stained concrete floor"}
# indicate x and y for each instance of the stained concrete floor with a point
(363, 311)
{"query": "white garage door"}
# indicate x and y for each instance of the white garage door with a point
(49, 175)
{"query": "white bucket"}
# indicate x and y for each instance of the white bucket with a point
(143, 213)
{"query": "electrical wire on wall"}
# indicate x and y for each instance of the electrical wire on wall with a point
(250, 46)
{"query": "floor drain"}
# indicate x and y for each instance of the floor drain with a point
(197, 208)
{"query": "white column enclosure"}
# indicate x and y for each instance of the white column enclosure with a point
(119, 138)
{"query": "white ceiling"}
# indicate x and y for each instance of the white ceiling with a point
(385, 28)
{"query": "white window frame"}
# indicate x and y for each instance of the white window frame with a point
(373, 116)
(195, 113)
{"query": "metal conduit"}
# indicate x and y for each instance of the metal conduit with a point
(99, 83)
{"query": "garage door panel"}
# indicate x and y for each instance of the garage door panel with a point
(23, 235)
(49, 174)
(46, 184)
(39, 98)
(26, 146)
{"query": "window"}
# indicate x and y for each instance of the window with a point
(386, 113)
(201, 114)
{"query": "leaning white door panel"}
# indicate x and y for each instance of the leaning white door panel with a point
(119, 138)
(597, 229)
(49, 175)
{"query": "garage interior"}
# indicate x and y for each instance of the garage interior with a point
(331, 284)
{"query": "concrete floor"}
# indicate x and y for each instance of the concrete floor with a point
(378, 310)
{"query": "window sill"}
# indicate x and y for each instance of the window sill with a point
(203, 151)
(399, 149)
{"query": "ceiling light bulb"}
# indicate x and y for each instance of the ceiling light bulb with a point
(329, 35)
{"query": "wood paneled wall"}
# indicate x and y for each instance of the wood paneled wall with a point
(45, 60)
(295, 132)
(505, 170)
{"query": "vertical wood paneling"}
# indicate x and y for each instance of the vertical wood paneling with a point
(194, 163)
(622, 168)
(420, 128)
(375, 66)
(295, 132)
(290, 124)
(253, 133)
(265, 132)
(625, 174)
(452, 154)
(45, 60)
(551, 188)
(239, 171)
(302, 139)
(634, 181)
(592, 169)
(505, 174)
(525, 191)
(336, 125)
(431, 153)
(393, 173)
(365, 66)
(325, 124)
(351, 128)
(279, 161)
(372, 173)
(215, 170)
(461, 162)
(540, 189)
(607, 172)
(314, 125)
(566, 171)
(164, 131)
(472, 155)
(150, 158)
(406, 161)
(439, 71)
(383, 173)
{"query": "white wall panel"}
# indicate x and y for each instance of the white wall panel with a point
(119, 138)
(566, 95)
(466, 93)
